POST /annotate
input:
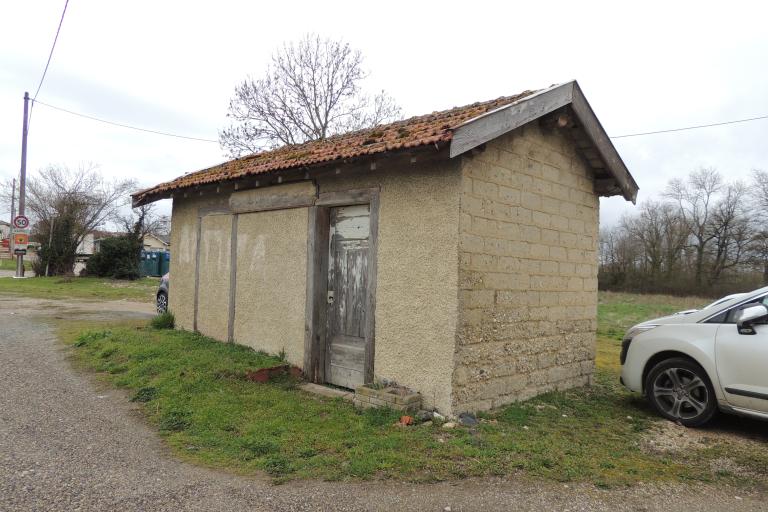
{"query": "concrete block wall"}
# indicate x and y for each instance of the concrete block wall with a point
(527, 271)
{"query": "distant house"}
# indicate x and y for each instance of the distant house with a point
(155, 243)
(5, 229)
(90, 243)
(454, 253)
(89, 246)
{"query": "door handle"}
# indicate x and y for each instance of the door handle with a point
(330, 297)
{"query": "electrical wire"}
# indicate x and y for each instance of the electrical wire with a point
(671, 130)
(690, 127)
(50, 55)
(125, 125)
(48, 63)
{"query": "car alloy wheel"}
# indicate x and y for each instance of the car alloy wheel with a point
(679, 390)
(162, 303)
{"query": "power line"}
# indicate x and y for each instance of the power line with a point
(691, 127)
(48, 63)
(125, 125)
(50, 55)
(216, 141)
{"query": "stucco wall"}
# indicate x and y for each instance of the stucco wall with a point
(416, 299)
(213, 293)
(271, 281)
(184, 242)
(528, 271)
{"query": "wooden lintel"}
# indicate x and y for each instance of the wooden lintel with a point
(280, 197)
(347, 197)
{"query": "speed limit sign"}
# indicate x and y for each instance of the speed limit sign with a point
(20, 222)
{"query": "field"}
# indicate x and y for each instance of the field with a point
(194, 391)
(83, 288)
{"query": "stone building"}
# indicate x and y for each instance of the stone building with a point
(453, 253)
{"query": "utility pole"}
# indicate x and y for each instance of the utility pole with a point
(13, 214)
(23, 178)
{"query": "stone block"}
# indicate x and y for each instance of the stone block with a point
(509, 230)
(530, 200)
(559, 222)
(503, 281)
(503, 386)
(472, 205)
(558, 253)
(471, 243)
(549, 267)
(576, 225)
(469, 280)
(549, 236)
(530, 233)
(477, 405)
(485, 189)
(509, 195)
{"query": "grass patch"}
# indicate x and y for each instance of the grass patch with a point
(193, 389)
(617, 312)
(163, 321)
(88, 288)
(11, 264)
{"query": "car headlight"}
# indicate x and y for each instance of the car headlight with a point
(634, 331)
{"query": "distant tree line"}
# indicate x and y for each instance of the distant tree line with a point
(706, 235)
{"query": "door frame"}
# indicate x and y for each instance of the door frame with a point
(318, 241)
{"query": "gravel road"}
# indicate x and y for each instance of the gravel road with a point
(68, 444)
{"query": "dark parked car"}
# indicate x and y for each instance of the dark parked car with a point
(162, 294)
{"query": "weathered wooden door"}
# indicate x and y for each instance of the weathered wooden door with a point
(348, 262)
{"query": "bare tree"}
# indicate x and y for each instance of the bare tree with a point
(143, 221)
(696, 198)
(647, 229)
(7, 191)
(760, 190)
(759, 247)
(311, 90)
(65, 205)
(730, 230)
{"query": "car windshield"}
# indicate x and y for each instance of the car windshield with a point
(724, 299)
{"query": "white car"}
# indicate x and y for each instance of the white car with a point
(690, 366)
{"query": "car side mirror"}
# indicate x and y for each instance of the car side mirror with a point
(747, 316)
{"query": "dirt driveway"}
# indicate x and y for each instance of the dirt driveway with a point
(68, 444)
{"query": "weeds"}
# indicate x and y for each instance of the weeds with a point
(145, 394)
(164, 320)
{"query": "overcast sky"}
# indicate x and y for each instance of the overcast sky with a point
(172, 66)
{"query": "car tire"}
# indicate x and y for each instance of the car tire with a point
(679, 389)
(162, 302)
